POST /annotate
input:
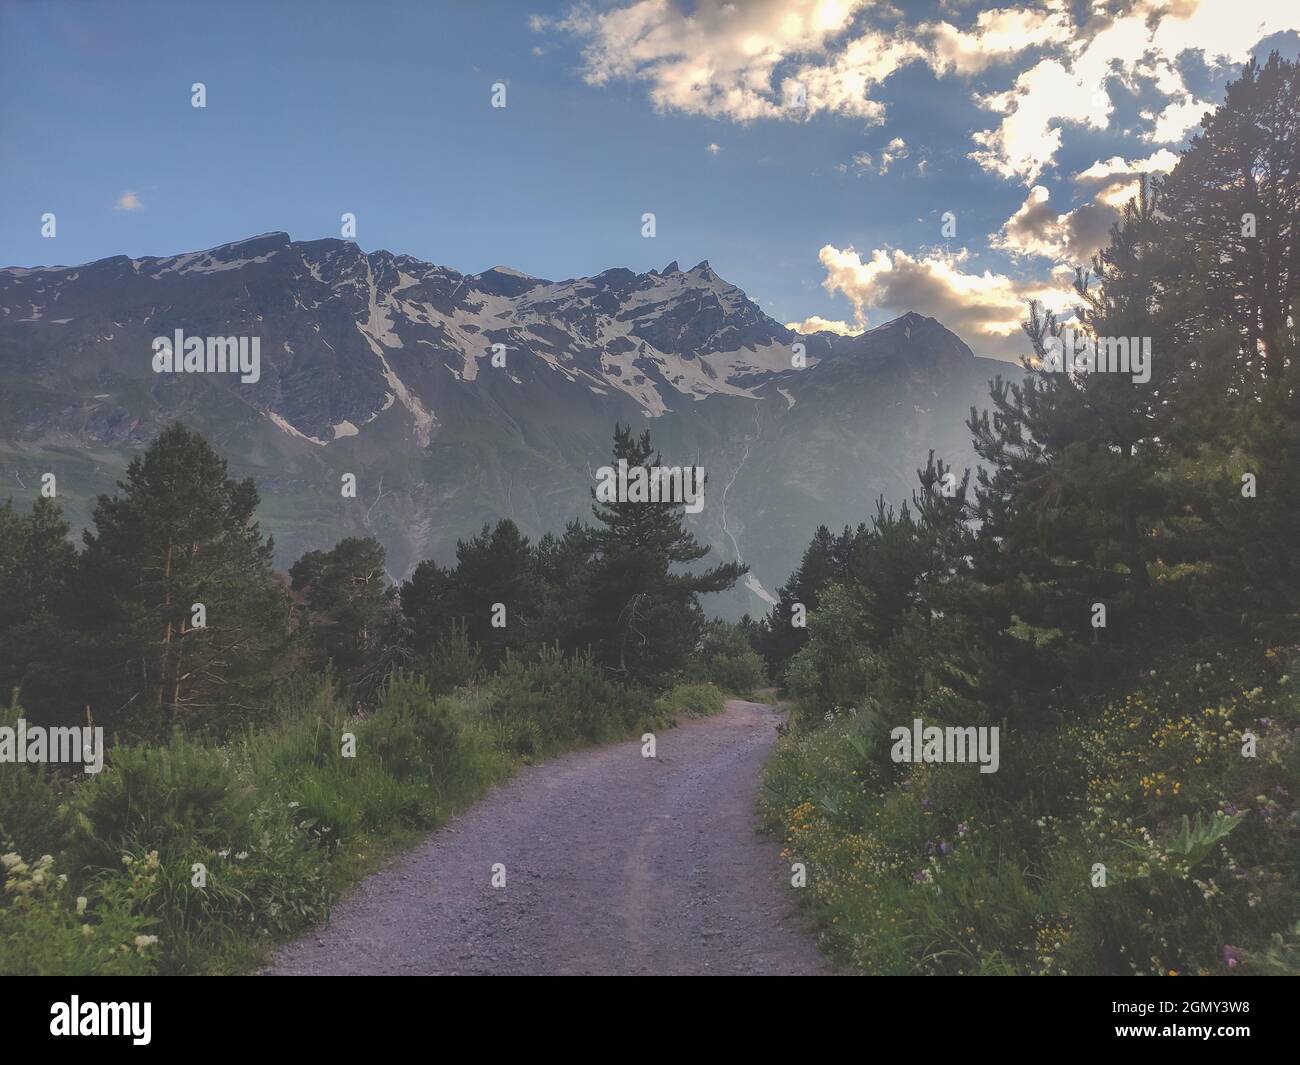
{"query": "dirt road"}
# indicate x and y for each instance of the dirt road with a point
(614, 864)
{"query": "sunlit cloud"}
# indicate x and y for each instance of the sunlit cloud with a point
(1038, 229)
(1114, 181)
(815, 323)
(985, 309)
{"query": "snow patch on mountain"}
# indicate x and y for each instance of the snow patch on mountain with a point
(378, 332)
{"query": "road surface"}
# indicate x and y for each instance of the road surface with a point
(614, 864)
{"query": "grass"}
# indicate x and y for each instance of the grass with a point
(186, 858)
(1143, 842)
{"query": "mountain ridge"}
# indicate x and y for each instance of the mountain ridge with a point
(461, 398)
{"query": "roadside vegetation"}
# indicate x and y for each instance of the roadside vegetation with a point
(1115, 590)
(315, 723)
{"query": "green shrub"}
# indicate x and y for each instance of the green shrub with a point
(725, 658)
(742, 673)
(693, 700)
(45, 931)
(411, 732)
(454, 661)
(940, 869)
(170, 799)
(32, 820)
(551, 702)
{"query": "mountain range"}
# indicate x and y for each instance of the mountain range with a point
(457, 399)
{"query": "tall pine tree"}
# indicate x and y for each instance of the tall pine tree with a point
(185, 621)
(642, 617)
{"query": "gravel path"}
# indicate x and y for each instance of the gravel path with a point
(615, 864)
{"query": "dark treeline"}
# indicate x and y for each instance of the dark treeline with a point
(173, 615)
(1115, 589)
(1174, 503)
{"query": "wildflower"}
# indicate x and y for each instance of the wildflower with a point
(1232, 956)
(81, 905)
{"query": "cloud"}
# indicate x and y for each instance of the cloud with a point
(712, 149)
(1138, 49)
(721, 59)
(1115, 180)
(1173, 123)
(769, 59)
(128, 201)
(1038, 229)
(785, 58)
(998, 35)
(985, 309)
(815, 323)
(864, 162)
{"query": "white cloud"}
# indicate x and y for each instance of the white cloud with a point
(865, 162)
(893, 151)
(1141, 44)
(815, 323)
(999, 34)
(1028, 138)
(1175, 121)
(984, 309)
(795, 58)
(721, 58)
(1115, 180)
(712, 149)
(128, 201)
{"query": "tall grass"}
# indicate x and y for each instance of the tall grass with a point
(189, 858)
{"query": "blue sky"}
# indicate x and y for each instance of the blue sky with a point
(807, 148)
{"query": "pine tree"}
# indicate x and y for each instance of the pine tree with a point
(560, 565)
(493, 589)
(1233, 203)
(424, 599)
(37, 567)
(496, 566)
(781, 639)
(353, 624)
(184, 619)
(642, 618)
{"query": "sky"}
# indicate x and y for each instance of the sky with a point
(842, 161)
